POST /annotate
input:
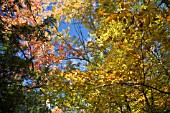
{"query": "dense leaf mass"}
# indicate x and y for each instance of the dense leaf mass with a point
(89, 56)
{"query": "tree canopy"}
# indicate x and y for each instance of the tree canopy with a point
(92, 56)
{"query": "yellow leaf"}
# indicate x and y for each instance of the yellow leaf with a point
(61, 74)
(67, 104)
(100, 81)
(42, 89)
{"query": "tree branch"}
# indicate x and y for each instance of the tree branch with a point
(145, 85)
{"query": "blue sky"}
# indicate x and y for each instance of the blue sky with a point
(72, 32)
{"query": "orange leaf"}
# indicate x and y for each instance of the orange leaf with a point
(111, 17)
(101, 13)
(168, 18)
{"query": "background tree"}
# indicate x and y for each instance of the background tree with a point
(18, 77)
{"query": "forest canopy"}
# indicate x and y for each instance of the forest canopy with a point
(87, 56)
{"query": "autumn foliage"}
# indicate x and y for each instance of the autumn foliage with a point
(120, 64)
